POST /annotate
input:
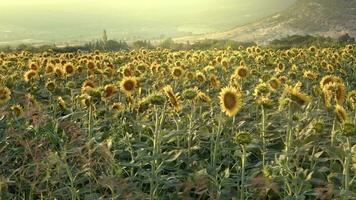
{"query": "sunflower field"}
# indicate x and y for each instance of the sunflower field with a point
(251, 123)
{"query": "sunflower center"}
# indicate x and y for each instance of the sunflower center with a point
(129, 85)
(230, 100)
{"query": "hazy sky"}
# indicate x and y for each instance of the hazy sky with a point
(135, 17)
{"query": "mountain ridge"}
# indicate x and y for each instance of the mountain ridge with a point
(305, 17)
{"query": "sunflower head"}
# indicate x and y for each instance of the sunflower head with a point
(230, 101)
(274, 84)
(243, 138)
(173, 99)
(190, 94)
(69, 69)
(349, 129)
(17, 109)
(118, 107)
(351, 98)
(29, 75)
(177, 72)
(51, 86)
(109, 90)
(5, 95)
(128, 85)
(241, 72)
(341, 113)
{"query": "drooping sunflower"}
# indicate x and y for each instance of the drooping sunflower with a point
(118, 106)
(204, 98)
(128, 85)
(5, 95)
(29, 75)
(109, 90)
(296, 95)
(230, 101)
(274, 84)
(341, 113)
(51, 86)
(351, 98)
(173, 98)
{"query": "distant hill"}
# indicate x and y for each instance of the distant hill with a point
(315, 17)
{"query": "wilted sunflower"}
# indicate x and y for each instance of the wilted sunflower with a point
(173, 99)
(128, 85)
(230, 101)
(29, 75)
(5, 95)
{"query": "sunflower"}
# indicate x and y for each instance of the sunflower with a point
(351, 98)
(310, 75)
(241, 72)
(274, 83)
(33, 66)
(215, 83)
(51, 86)
(17, 109)
(118, 106)
(204, 98)
(109, 90)
(341, 113)
(177, 72)
(69, 69)
(190, 93)
(296, 95)
(128, 85)
(49, 68)
(29, 75)
(59, 71)
(200, 77)
(230, 101)
(62, 104)
(5, 95)
(173, 99)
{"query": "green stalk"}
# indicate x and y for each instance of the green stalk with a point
(264, 150)
(346, 171)
(243, 160)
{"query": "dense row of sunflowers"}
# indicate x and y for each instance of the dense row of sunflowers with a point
(252, 123)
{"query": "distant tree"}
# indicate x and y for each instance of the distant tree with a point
(113, 45)
(105, 37)
(345, 38)
(142, 44)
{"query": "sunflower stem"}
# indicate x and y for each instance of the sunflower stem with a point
(264, 151)
(243, 160)
(346, 170)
